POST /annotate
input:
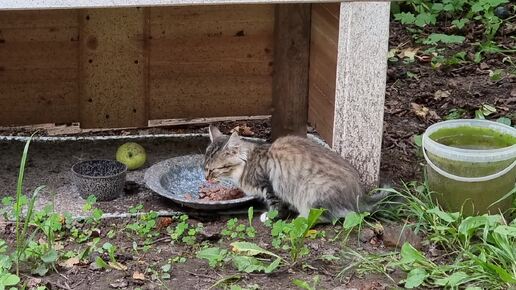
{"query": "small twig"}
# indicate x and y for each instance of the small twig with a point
(66, 278)
(200, 275)
(78, 283)
(164, 239)
(61, 286)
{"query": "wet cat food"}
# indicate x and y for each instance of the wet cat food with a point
(218, 193)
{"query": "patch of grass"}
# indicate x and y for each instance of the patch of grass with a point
(477, 251)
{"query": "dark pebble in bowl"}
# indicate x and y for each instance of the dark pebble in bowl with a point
(104, 179)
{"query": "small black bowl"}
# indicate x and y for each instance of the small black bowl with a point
(104, 179)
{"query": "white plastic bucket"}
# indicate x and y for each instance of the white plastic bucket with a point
(471, 180)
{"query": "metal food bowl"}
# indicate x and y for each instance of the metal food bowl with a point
(104, 179)
(176, 177)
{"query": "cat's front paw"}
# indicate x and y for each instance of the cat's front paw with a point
(264, 217)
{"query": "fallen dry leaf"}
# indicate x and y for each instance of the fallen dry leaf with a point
(117, 266)
(246, 131)
(409, 53)
(484, 66)
(392, 52)
(164, 222)
(243, 130)
(434, 115)
(33, 282)
(58, 246)
(395, 236)
(366, 234)
(378, 229)
(138, 276)
(424, 58)
(420, 110)
(441, 94)
(70, 263)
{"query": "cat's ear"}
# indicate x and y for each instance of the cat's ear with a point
(234, 140)
(214, 132)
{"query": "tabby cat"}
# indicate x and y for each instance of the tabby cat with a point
(291, 174)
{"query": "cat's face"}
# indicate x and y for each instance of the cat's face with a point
(223, 158)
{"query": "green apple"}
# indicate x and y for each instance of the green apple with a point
(132, 155)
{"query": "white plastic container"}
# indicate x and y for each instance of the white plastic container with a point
(471, 165)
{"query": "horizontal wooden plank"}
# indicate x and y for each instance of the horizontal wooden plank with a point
(218, 13)
(39, 54)
(211, 21)
(209, 96)
(37, 18)
(39, 34)
(226, 68)
(31, 75)
(225, 48)
(42, 102)
(180, 31)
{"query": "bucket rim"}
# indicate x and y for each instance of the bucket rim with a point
(469, 155)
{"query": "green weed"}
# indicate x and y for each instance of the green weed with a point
(185, 233)
(478, 251)
(306, 285)
(418, 15)
(235, 230)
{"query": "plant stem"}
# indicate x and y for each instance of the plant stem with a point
(19, 188)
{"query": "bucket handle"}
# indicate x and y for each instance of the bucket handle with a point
(462, 178)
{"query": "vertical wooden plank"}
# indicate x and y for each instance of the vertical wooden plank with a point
(323, 68)
(360, 91)
(290, 79)
(113, 68)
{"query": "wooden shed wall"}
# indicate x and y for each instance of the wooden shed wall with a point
(323, 68)
(62, 66)
(39, 58)
(209, 61)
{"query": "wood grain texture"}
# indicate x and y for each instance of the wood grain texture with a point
(210, 61)
(323, 68)
(360, 92)
(113, 68)
(291, 58)
(38, 67)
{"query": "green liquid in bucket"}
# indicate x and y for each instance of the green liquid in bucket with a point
(472, 197)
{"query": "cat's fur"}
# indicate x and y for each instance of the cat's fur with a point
(291, 173)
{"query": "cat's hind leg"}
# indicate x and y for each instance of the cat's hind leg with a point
(275, 203)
